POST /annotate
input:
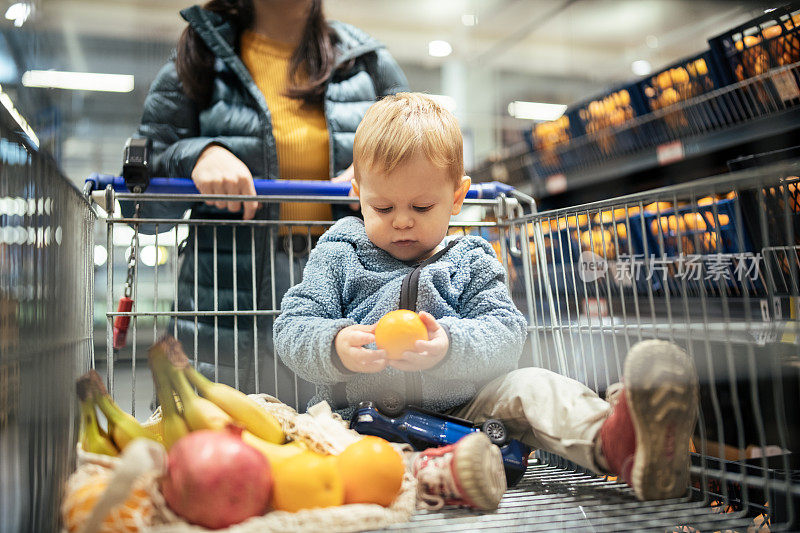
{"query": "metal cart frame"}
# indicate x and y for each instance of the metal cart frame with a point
(711, 265)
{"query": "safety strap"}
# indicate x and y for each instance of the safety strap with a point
(408, 300)
(410, 285)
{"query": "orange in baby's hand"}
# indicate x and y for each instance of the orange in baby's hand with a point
(397, 331)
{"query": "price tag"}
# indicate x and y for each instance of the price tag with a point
(764, 310)
(669, 152)
(776, 306)
(786, 85)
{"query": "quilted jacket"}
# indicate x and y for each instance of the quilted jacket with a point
(238, 119)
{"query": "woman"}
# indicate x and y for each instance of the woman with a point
(258, 88)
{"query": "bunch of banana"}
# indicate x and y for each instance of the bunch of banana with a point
(122, 427)
(217, 406)
(92, 437)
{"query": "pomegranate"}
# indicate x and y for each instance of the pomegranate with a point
(215, 480)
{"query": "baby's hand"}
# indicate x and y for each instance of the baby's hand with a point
(349, 344)
(428, 353)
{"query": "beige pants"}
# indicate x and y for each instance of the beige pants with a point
(544, 410)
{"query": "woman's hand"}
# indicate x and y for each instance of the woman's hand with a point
(349, 344)
(428, 353)
(219, 172)
(347, 175)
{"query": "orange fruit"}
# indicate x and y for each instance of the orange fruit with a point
(306, 481)
(372, 472)
(397, 331)
(78, 505)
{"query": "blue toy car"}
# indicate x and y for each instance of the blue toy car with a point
(424, 429)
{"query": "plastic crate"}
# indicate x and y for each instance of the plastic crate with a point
(696, 230)
(560, 246)
(612, 235)
(702, 235)
(760, 45)
(685, 79)
(604, 233)
(781, 206)
(600, 117)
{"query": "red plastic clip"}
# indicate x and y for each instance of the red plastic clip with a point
(121, 323)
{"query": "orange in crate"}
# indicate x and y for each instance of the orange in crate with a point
(621, 213)
(611, 111)
(548, 135)
(598, 240)
(658, 207)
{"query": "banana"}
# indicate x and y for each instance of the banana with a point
(156, 430)
(167, 358)
(91, 437)
(241, 408)
(122, 427)
(173, 426)
(275, 453)
(198, 412)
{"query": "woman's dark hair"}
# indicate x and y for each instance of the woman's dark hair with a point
(316, 52)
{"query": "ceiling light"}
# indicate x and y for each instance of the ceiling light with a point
(78, 81)
(19, 13)
(5, 100)
(152, 255)
(469, 20)
(100, 255)
(641, 67)
(439, 48)
(536, 110)
(651, 41)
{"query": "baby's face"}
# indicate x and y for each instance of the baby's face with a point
(407, 211)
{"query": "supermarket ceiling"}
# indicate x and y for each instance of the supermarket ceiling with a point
(596, 39)
(557, 51)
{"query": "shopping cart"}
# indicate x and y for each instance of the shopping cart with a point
(695, 264)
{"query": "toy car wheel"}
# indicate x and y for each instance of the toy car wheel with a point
(391, 404)
(496, 431)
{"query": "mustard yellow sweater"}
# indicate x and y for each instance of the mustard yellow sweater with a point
(300, 130)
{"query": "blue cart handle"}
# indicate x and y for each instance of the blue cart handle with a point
(271, 187)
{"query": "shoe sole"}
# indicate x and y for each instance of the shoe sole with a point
(479, 466)
(662, 390)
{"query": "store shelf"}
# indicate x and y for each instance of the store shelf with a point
(679, 143)
(648, 158)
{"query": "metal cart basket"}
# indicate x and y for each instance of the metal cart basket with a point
(712, 266)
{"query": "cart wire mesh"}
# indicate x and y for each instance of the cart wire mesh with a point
(711, 265)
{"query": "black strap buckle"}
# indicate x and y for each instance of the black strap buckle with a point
(136, 164)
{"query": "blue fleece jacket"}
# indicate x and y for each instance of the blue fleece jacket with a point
(348, 280)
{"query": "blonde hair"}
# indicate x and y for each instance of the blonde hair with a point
(398, 127)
